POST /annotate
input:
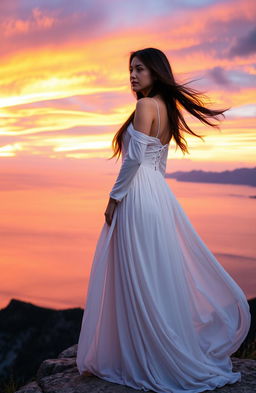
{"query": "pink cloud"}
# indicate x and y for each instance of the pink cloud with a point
(38, 21)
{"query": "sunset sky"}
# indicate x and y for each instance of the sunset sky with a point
(64, 72)
(65, 92)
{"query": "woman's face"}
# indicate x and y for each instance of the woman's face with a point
(140, 74)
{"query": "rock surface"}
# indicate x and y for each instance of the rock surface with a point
(29, 334)
(61, 376)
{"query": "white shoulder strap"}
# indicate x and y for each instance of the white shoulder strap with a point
(158, 116)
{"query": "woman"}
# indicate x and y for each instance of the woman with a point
(161, 312)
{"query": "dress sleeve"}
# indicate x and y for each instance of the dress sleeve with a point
(130, 164)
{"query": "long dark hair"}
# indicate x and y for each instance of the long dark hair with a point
(175, 95)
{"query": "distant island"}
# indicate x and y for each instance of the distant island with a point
(240, 176)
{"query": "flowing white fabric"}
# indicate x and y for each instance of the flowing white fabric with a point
(161, 313)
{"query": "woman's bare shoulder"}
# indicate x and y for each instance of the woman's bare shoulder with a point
(144, 115)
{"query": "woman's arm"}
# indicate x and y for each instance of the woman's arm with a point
(129, 168)
(136, 149)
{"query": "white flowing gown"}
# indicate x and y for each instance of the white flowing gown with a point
(161, 313)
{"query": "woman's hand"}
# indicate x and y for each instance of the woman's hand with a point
(110, 210)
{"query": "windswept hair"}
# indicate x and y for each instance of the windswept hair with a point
(176, 96)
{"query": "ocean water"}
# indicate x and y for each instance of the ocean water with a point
(48, 238)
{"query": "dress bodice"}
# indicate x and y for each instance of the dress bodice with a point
(155, 155)
(139, 152)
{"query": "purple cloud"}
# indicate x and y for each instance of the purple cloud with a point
(244, 46)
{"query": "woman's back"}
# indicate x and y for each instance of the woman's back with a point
(161, 124)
